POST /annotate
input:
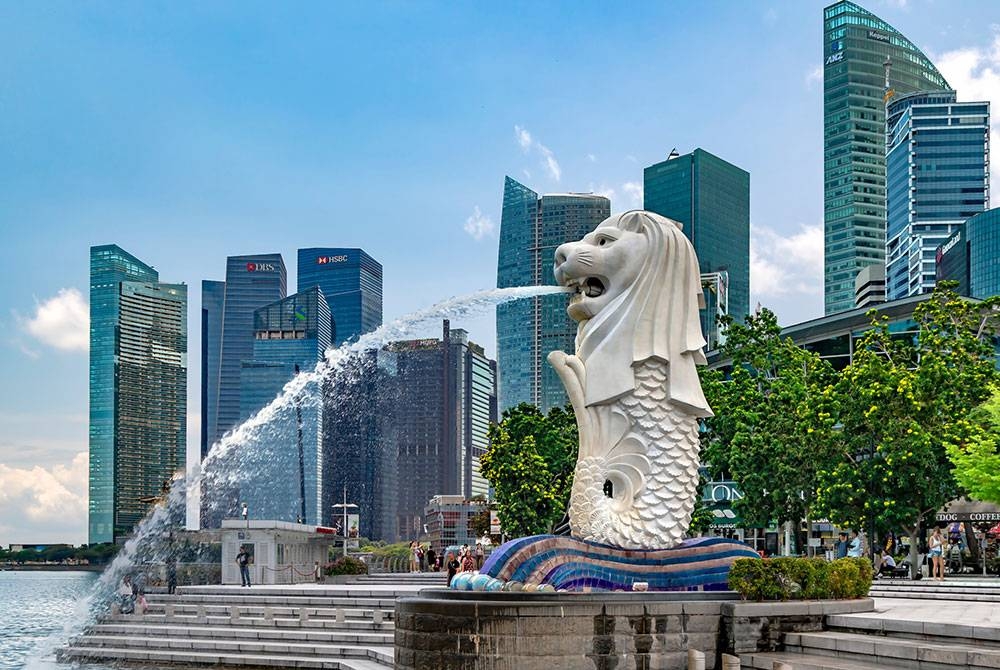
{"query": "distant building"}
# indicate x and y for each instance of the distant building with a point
(290, 336)
(715, 288)
(531, 227)
(712, 199)
(448, 521)
(351, 280)
(251, 282)
(444, 399)
(869, 286)
(213, 299)
(138, 389)
(856, 44)
(937, 158)
(971, 256)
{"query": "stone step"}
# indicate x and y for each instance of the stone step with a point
(276, 610)
(986, 635)
(310, 634)
(376, 591)
(933, 594)
(892, 651)
(277, 601)
(350, 646)
(260, 622)
(373, 659)
(766, 660)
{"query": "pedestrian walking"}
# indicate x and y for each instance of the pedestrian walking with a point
(171, 574)
(840, 547)
(243, 560)
(480, 555)
(414, 557)
(453, 565)
(936, 553)
(854, 547)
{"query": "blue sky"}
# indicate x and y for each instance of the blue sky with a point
(188, 132)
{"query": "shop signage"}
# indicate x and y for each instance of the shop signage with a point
(721, 492)
(967, 516)
(951, 243)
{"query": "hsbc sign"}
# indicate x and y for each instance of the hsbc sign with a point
(260, 267)
(325, 260)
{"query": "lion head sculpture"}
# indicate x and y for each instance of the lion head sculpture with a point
(638, 291)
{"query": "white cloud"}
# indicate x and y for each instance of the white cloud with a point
(814, 76)
(604, 190)
(631, 159)
(44, 504)
(974, 73)
(633, 190)
(62, 321)
(592, 158)
(479, 226)
(782, 265)
(900, 4)
(529, 144)
(770, 17)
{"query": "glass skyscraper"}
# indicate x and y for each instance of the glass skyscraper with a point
(351, 280)
(531, 228)
(936, 176)
(290, 336)
(712, 199)
(213, 299)
(138, 389)
(251, 283)
(970, 256)
(856, 45)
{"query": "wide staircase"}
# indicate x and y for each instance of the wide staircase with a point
(924, 625)
(345, 626)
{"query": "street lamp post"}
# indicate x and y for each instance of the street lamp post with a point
(345, 506)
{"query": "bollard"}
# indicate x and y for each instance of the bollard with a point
(234, 614)
(730, 662)
(200, 615)
(268, 616)
(696, 659)
(341, 616)
(377, 617)
(168, 611)
(778, 665)
(303, 615)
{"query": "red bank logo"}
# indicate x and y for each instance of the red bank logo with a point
(324, 260)
(260, 267)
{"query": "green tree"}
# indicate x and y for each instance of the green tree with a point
(773, 421)
(905, 397)
(530, 464)
(974, 449)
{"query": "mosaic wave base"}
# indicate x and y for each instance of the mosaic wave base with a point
(561, 563)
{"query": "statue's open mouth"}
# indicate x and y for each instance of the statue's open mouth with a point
(592, 287)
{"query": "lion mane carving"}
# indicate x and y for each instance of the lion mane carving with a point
(633, 381)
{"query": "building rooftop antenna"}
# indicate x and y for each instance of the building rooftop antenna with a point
(673, 154)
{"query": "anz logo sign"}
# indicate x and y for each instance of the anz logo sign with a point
(835, 58)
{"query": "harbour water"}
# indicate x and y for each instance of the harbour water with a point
(35, 608)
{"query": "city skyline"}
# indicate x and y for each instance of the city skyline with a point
(153, 138)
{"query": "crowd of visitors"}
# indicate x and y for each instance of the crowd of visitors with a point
(462, 559)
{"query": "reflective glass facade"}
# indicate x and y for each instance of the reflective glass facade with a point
(150, 397)
(213, 297)
(936, 176)
(251, 283)
(531, 228)
(289, 335)
(856, 44)
(971, 256)
(712, 199)
(351, 280)
(110, 265)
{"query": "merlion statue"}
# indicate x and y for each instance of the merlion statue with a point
(632, 382)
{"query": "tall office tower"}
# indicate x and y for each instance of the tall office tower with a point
(351, 280)
(290, 336)
(138, 389)
(712, 199)
(969, 256)
(937, 153)
(444, 398)
(251, 283)
(359, 449)
(856, 45)
(531, 227)
(213, 299)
